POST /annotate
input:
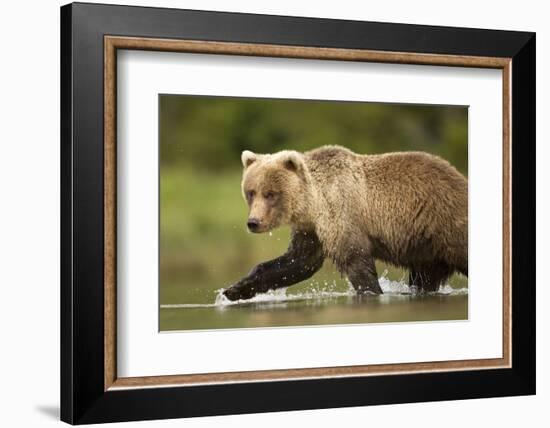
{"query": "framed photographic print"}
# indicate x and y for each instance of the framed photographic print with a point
(264, 213)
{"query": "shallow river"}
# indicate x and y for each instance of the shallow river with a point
(318, 307)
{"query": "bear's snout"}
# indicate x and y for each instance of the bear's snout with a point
(253, 224)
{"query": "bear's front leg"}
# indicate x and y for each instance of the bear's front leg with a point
(361, 272)
(302, 259)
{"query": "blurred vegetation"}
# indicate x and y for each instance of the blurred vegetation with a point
(204, 245)
(211, 132)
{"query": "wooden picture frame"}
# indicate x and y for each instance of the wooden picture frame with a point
(91, 390)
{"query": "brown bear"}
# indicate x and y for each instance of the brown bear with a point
(409, 209)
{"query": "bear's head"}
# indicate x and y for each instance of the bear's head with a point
(275, 187)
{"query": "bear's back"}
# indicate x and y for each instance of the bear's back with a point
(332, 165)
(416, 175)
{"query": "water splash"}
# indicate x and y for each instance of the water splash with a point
(448, 290)
(279, 295)
(318, 292)
(393, 287)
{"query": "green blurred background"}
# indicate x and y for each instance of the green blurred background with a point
(204, 245)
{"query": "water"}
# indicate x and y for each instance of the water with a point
(318, 304)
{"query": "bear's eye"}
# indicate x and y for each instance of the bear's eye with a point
(270, 195)
(250, 194)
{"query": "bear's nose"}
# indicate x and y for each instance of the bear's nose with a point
(253, 224)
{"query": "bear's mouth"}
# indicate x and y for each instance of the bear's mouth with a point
(260, 228)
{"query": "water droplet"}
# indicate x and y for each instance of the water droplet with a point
(270, 234)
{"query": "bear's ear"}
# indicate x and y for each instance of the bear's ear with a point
(293, 162)
(248, 158)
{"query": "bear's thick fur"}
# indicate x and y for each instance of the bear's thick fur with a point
(409, 209)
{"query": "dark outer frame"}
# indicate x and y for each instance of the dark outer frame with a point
(83, 396)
